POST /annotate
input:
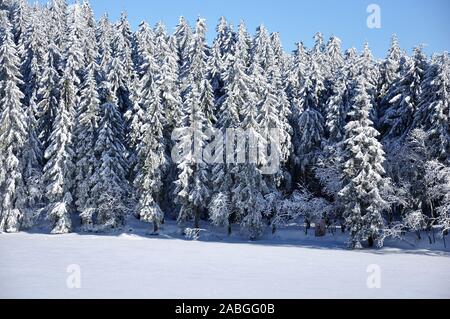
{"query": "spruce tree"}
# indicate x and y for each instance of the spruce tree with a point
(433, 109)
(192, 184)
(363, 158)
(48, 95)
(250, 187)
(168, 79)
(59, 169)
(390, 68)
(86, 136)
(58, 23)
(34, 159)
(120, 72)
(33, 57)
(181, 44)
(237, 95)
(337, 109)
(110, 186)
(13, 135)
(334, 57)
(310, 122)
(152, 155)
(88, 38)
(219, 60)
(104, 35)
(141, 92)
(403, 98)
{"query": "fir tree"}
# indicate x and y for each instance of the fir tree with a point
(168, 79)
(403, 97)
(219, 60)
(310, 123)
(109, 180)
(88, 39)
(390, 69)
(86, 136)
(34, 158)
(237, 96)
(58, 23)
(48, 95)
(20, 22)
(153, 158)
(434, 109)
(104, 36)
(120, 72)
(334, 57)
(13, 136)
(363, 159)
(33, 57)
(250, 187)
(181, 45)
(337, 109)
(191, 191)
(59, 169)
(278, 75)
(192, 184)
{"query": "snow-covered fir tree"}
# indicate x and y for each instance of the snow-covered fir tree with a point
(337, 109)
(278, 73)
(310, 122)
(192, 184)
(34, 159)
(103, 35)
(363, 170)
(120, 71)
(250, 187)
(60, 156)
(110, 186)
(58, 23)
(48, 94)
(144, 89)
(153, 161)
(33, 56)
(434, 107)
(20, 22)
(86, 135)
(390, 68)
(219, 60)
(13, 134)
(237, 95)
(296, 77)
(181, 44)
(88, 37)
(168, 79)
(402, 98)
(334, 57)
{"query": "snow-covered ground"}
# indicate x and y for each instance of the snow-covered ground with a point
(133, 265)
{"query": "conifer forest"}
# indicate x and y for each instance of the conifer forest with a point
(101, 124)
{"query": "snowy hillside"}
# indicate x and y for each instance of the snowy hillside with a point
(135, 265)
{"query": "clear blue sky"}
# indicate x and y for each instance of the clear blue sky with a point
(414, 21)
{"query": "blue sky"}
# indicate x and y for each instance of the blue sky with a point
(414, 21)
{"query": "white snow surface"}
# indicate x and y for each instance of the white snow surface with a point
(132, 264)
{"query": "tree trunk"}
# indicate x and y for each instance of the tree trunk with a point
(343, 228)
(196, 218)
(307, 227)
(371, 241)
(321, 228)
